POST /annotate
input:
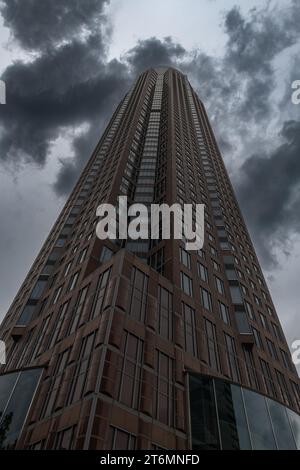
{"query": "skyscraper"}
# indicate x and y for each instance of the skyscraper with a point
(141, 344)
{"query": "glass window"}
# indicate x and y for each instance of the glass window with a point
(281, 426)
(165, 312)
(106, 254)
(212, 345)
(17, 407)
(130, 371)
(232, 358)
(224, 313)
(220, 285)
(185, 258)
(190, 336)
(139, 282)
(259, 421)
(202, 272)
(295, 424)
(206, 299)
(26, 315)
(236, 295)
(204, 422)
(38, 290)
(186, 284)
(242, 323)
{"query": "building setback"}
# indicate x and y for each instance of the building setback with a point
(142, 344)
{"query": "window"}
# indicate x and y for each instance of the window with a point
(73, 281)
(236, 295)
(272, 349)
(263, 321)
(164, 393)
(81, 371)
(224, 313)
(38, 289)
(242, 322)
(257, 338)
(206, 299)
(277, 332)
(190, 337)
(26, 315)
(267, 378)
(82, 255)
(185, 258)
(100, 293)
(121, 440)
(286, 359)
(65, 439)
(68, 268)
(202, 272)
(186, 284)
(57, 327)
(139, 282)
(57, 294)
(165, 312)
(250, 367)
(78, 309)
(220, 285)
(130, 371)
(232, 358)
(249, 310)
(106, 254)
(60, 242)
(283, 388)
(212, 346)
(17, 392)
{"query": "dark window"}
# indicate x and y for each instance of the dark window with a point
(139, 282)
(186, 284)
(100, 293)
(65, 439)
(79, 379)
(81, 302)
(202, 272)
(190, 336)
(121, 440)
(165, 312)
(267, 378)
(164, 393)
(232, 358)
(224, 313)
(212, 345)
(185, 258)
(130, 371)
(206, 299)
(106, 254)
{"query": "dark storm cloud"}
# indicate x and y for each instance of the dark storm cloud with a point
(154, 52)
(53, 92)
(269, 191)
(39, 24)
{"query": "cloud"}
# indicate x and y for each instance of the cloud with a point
(154, 52)
(269, 191)
(38, 25)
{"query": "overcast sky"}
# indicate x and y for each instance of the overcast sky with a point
(67, 63)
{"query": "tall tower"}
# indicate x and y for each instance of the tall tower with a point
(142, 344)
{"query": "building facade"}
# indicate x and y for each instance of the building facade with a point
(137, 344)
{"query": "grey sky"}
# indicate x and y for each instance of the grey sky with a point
(241, 62)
